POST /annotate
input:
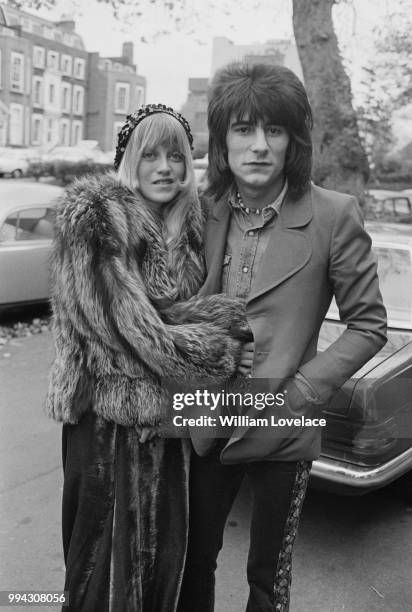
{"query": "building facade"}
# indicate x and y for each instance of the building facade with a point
(195, 111)
(281, 52)
(52, 91)
(115, 90)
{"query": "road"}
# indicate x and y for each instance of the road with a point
(352, 554)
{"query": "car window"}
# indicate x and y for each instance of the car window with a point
(402, 206)
(388, 206)
(395, 282)
(9, 228)
(30, 224)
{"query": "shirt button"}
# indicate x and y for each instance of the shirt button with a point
(245, 269)
(251, 233)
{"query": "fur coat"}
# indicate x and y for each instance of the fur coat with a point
(124, 315)
(126, 319)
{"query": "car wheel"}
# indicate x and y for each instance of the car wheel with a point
(17, 173)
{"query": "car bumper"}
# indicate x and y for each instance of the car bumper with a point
(338, 476)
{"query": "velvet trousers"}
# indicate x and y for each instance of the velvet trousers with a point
(278, 490)
(125, 518)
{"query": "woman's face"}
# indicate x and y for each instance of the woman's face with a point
(159, 173)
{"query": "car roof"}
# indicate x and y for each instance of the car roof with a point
(13, 193)
(390, 232)
(383, 194)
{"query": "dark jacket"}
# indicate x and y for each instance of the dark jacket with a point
(318, 249)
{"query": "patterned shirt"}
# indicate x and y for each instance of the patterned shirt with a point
(247, 239)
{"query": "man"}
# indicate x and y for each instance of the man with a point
(287, 247)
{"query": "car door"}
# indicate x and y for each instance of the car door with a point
(25, 243)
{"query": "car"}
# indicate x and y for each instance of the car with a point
(26, 232)
(86, 150)
(367, 442)
(14, 161)
(389, 205)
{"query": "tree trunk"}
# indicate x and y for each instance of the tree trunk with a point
(340, 162)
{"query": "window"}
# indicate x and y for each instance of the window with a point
(0, 71)
(66, 97)
(51, 135)
(36, 130)
(30, 224)
(79, 68)
(16, 124)
(38, 57)
(52, 93)
(17, 71)
(139, 96)
(8, 230)
(48, 32)
(53, 60)
(78, 97)
(38, 29)
(26, 24)
(121, 104)
(77, 128)
(37, 93)
(66, 66)
(65, 132)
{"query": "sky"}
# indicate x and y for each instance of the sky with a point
(168, 61)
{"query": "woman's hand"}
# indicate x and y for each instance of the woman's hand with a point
(246, 359)
(146, 432)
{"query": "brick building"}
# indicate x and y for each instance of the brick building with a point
(115, 89)
(52, 91)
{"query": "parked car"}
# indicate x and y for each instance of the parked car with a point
(14, 161)
(86, 150)
(26, 231)
(389, 205)
(367, 442)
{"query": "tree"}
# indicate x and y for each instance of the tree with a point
(340, 161)
(387, 83)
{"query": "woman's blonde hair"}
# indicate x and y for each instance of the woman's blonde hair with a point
(155, 130)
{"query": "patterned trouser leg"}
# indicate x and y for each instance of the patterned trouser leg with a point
(283, 578)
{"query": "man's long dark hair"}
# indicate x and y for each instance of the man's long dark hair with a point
(264, 92)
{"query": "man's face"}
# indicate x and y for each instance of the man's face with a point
(256, 153)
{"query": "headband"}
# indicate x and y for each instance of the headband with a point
(138, 116)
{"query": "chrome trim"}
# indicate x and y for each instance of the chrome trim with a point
(360, 477)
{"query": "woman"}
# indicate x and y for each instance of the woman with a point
(127, 261)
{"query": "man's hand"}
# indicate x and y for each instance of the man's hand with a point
(146, 433)
(246, 359)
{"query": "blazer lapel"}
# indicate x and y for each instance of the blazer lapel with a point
(288, 250)
(215, 241)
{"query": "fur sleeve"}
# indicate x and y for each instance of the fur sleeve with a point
(106, 298)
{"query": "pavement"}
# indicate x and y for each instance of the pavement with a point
(351, 555)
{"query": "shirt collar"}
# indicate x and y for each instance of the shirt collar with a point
(275, 205)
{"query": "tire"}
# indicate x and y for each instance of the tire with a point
(17, 173)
